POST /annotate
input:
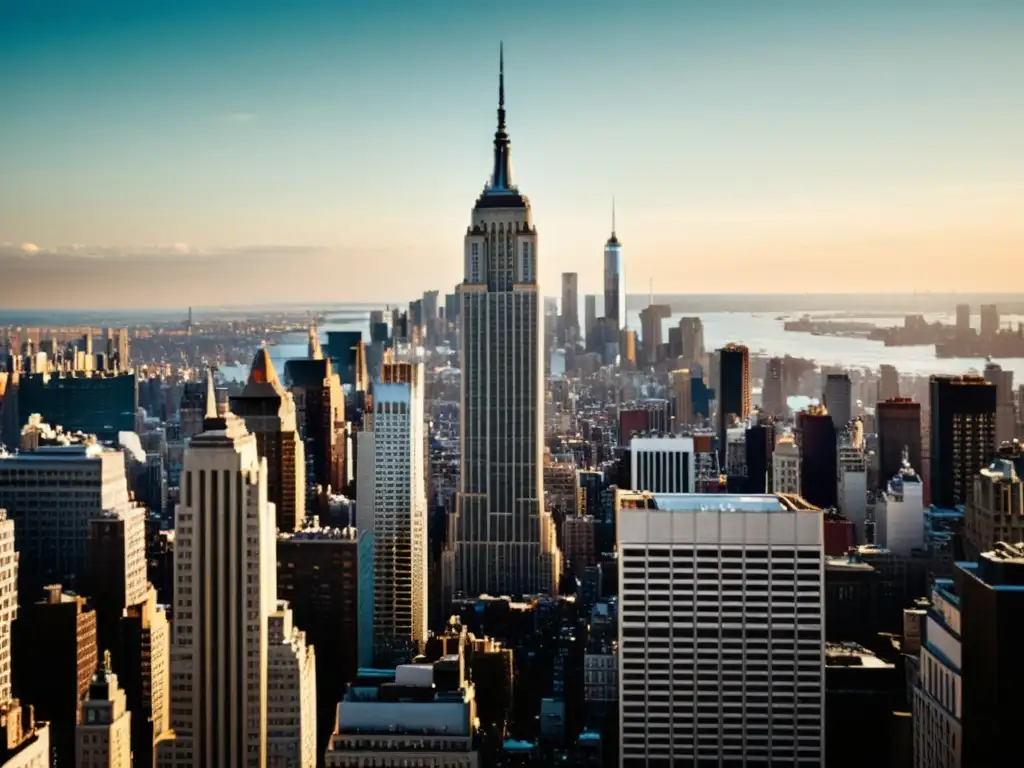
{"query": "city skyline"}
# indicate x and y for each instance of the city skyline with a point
(874, 140)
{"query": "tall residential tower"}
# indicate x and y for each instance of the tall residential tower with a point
(504, 540)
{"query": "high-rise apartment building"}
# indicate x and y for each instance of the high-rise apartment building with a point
(662, 464)
(721, 631)
(852, 496)
(225, 590)
(963, 435)
(143, 663)
(651, 318)
(269, 414)
(393, 506)
(839, 399)
(590, 321)
(1006, 409)
(570, 317)
(898, 424)
(991, 608)
(291, 694)
(816, 436)
(732, 390)
(52, 494)
(773, 396)
(103, 737)
(8, 601)
(115, 568)
(504, 539)
(989, 320)
(192, 408)
(888, 383)
(430, 316)
(899, 513)
(995, 511)
(326, 575)
(320, 413)
(692, 329)
(786, 466)
(55, 657)
(681, 398)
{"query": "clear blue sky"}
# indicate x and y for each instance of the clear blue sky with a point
(353, 138)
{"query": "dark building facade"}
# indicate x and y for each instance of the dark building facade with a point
(320, 412)
(898, 423)
(759, 446)
(327, 576)
(816, 436)
(100, 405)
(992, 624)
(54, 647)
(733, 390)
(963, 438)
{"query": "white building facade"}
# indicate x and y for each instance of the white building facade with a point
(721, 630)
(396, 508)
(899, 514)
(291, 694)
(103, 738)
(662, 464)
(786, 466)
(225, 569)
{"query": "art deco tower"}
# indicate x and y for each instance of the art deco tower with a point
(504, 540)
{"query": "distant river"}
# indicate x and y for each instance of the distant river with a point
(762, 332)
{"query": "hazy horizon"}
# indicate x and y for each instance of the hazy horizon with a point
(166, 155)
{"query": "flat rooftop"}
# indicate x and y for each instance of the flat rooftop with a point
(727, 502)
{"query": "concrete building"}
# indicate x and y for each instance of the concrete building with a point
(651, 321)
(1006, 410)
(991, 593)
(838, 398)
(393, 506)
(291, 694)
(417, 714)
(773, 394)
(899, 513)
(320, 412)
(681, 398)
(786, 465)
(8, 601)
(103, 737)
(52, 494)
(570, 317)
(326, 575)
(853, 489)
(816, 437)
(898, 424)
(54, 645)
(692, 330)
(115, 568)
(995, 511)
(503, 538)
(662, 464)
(721, 632)
(579, 537)
(192, 407)
(24, 743)
(938, 692)
(269, 414)
(143, 659)
(732, 390)
(888, 383)
(225, 590)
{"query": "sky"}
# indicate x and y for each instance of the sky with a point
(167, 153)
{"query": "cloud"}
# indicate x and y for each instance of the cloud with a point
(241, 117)
(30, 248)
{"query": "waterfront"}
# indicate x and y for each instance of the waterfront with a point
(762, 332)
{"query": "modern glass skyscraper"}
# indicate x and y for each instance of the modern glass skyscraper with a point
(504, 540)
(614, 280)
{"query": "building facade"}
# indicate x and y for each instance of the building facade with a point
(995, 511)
(721, 631)
(662, 464)
(395, 510)
(291, 694)
(103, 738)
(504, 539)
(269, 414)
(225, 590)
(963, 435)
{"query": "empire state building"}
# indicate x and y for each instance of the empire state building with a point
(504, 539)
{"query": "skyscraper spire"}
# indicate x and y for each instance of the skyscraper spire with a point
(211, 396)
(501, 178)
(613, 240)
